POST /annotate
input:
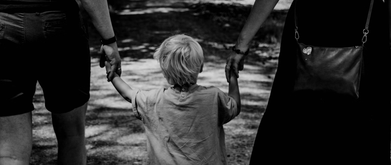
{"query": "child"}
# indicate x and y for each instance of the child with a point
(183, 123)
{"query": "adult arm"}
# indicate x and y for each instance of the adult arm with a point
(98, 11)
(259, 12)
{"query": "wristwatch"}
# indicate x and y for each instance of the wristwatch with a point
(108, 41)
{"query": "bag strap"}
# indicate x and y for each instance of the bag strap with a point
(365, 30)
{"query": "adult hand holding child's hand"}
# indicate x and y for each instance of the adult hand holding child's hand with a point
(111, 60)
(235, 62)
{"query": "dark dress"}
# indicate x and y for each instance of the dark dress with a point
(323, 128)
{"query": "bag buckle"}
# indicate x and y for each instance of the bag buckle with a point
(365, 36)
(297, 36)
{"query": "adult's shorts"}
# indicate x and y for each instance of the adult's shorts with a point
(49, 47)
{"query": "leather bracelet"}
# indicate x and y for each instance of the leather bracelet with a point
(108, 41)
(237, 51)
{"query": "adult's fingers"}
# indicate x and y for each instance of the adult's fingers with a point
(235, 64)
(119, 69)
(102, 57)
(241, 64)
(107, 50)
(104, 51)
(235, 68)
(108, 67)
(108, 70)
(102, 60)
(110, 76)
(114, 69)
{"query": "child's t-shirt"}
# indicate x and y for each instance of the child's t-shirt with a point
(185, 128)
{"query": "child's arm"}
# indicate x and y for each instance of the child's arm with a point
(123, 88)
(233, 89)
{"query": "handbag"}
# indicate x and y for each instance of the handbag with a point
(330, 69)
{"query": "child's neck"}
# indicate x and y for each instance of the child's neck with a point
(183, 88)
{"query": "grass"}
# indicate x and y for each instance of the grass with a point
(114, 135)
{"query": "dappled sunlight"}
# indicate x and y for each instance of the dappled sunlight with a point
(281, 5)
(132, 139)
(251, 81)
(95, 130)
(215, 44)
(119, 143)
(152, 10)
(44, 152)
(128, 46)
(44, 131)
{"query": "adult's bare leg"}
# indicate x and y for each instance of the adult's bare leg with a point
(70, 132)
(15, 139)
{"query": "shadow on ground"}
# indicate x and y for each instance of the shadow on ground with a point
(114, 135)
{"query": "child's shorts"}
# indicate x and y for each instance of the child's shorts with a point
(48, 47)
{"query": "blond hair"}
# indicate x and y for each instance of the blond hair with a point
(181, 59)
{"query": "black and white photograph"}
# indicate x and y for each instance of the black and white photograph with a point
(195, 82)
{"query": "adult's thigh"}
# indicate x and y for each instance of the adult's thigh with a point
(67, 52)
(15, 139)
